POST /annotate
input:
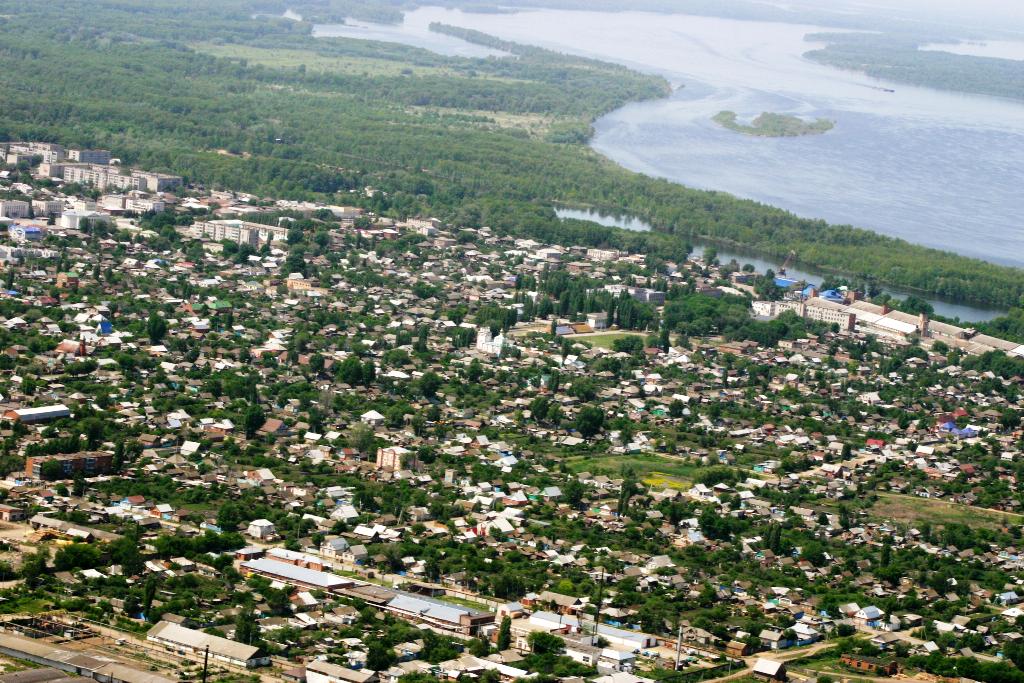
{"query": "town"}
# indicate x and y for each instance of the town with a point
(261, 439)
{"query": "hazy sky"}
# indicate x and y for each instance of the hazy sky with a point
(1000, 14)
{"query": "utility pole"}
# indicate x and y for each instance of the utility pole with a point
(600, 593)
(679, 645)
(206, 662)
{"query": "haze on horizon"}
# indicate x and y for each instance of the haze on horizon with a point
(1004, 16)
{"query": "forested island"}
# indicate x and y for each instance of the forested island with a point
(899, 58)
(770, 125)
(478, 142)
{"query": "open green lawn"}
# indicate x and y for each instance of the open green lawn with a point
(284, 58)
(604, 340)
(479, 606)
(25, 605)
(913, 510)
(655, 470)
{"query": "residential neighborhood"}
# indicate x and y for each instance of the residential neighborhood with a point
(296, 441)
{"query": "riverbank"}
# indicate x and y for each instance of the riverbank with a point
(726, 251)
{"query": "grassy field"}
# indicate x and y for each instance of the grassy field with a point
(24, 605)
(604, 340)
(479, 606)
(281, 58)
(536, 125)
(913, 510)
(654, 470)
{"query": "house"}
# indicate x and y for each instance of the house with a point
(870, 617)
(334, 548)
(737, 648)
(372, 418)
(67, 280)
(774, 640)
(273, 426)
(566, 604)
(9, 513)
(261, 529)
(871, 665)
(597, 321)
(1008, 598)
(769, 670)
(356, 554)
(319, 671)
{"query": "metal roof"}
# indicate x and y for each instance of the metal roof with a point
(291, 572)
(197, 640)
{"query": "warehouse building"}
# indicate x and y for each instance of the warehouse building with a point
(187, 641)
(294, 575)
(62, 662)
(40, 414)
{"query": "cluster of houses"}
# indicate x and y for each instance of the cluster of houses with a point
(170, 332)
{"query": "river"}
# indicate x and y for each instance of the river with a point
(936, 168)
(948, 309)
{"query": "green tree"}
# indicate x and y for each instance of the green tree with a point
(51, 470)
(77, 556)
(429, 384)
(247, 629)
(156, 327)
(589, 421)
(360, 437)
(33, 567)
(544, 643)
(505, 634)
(254, 418)
(148, 594)
(379, 657)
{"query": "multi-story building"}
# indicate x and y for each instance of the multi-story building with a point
(141, 205)
(112, 178)
(47, 152)
(48, 207)
(15, 208)
(73, 220)
(89, 156)
(100, 177)
(52, 170)
(89, 464)
(241, 232)
(155, 182)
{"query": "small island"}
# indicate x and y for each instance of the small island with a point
(772, 125)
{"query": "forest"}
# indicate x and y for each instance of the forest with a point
(134, 78)
(898, 58)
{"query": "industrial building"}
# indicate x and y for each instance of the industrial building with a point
(40, 414)
(64, 663)
(191, 642)
(295, 575)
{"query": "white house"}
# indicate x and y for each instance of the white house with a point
(261, 528)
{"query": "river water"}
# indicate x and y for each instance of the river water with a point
(414, 31)
(936, 168)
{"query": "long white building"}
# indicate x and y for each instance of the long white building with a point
(241, 232)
